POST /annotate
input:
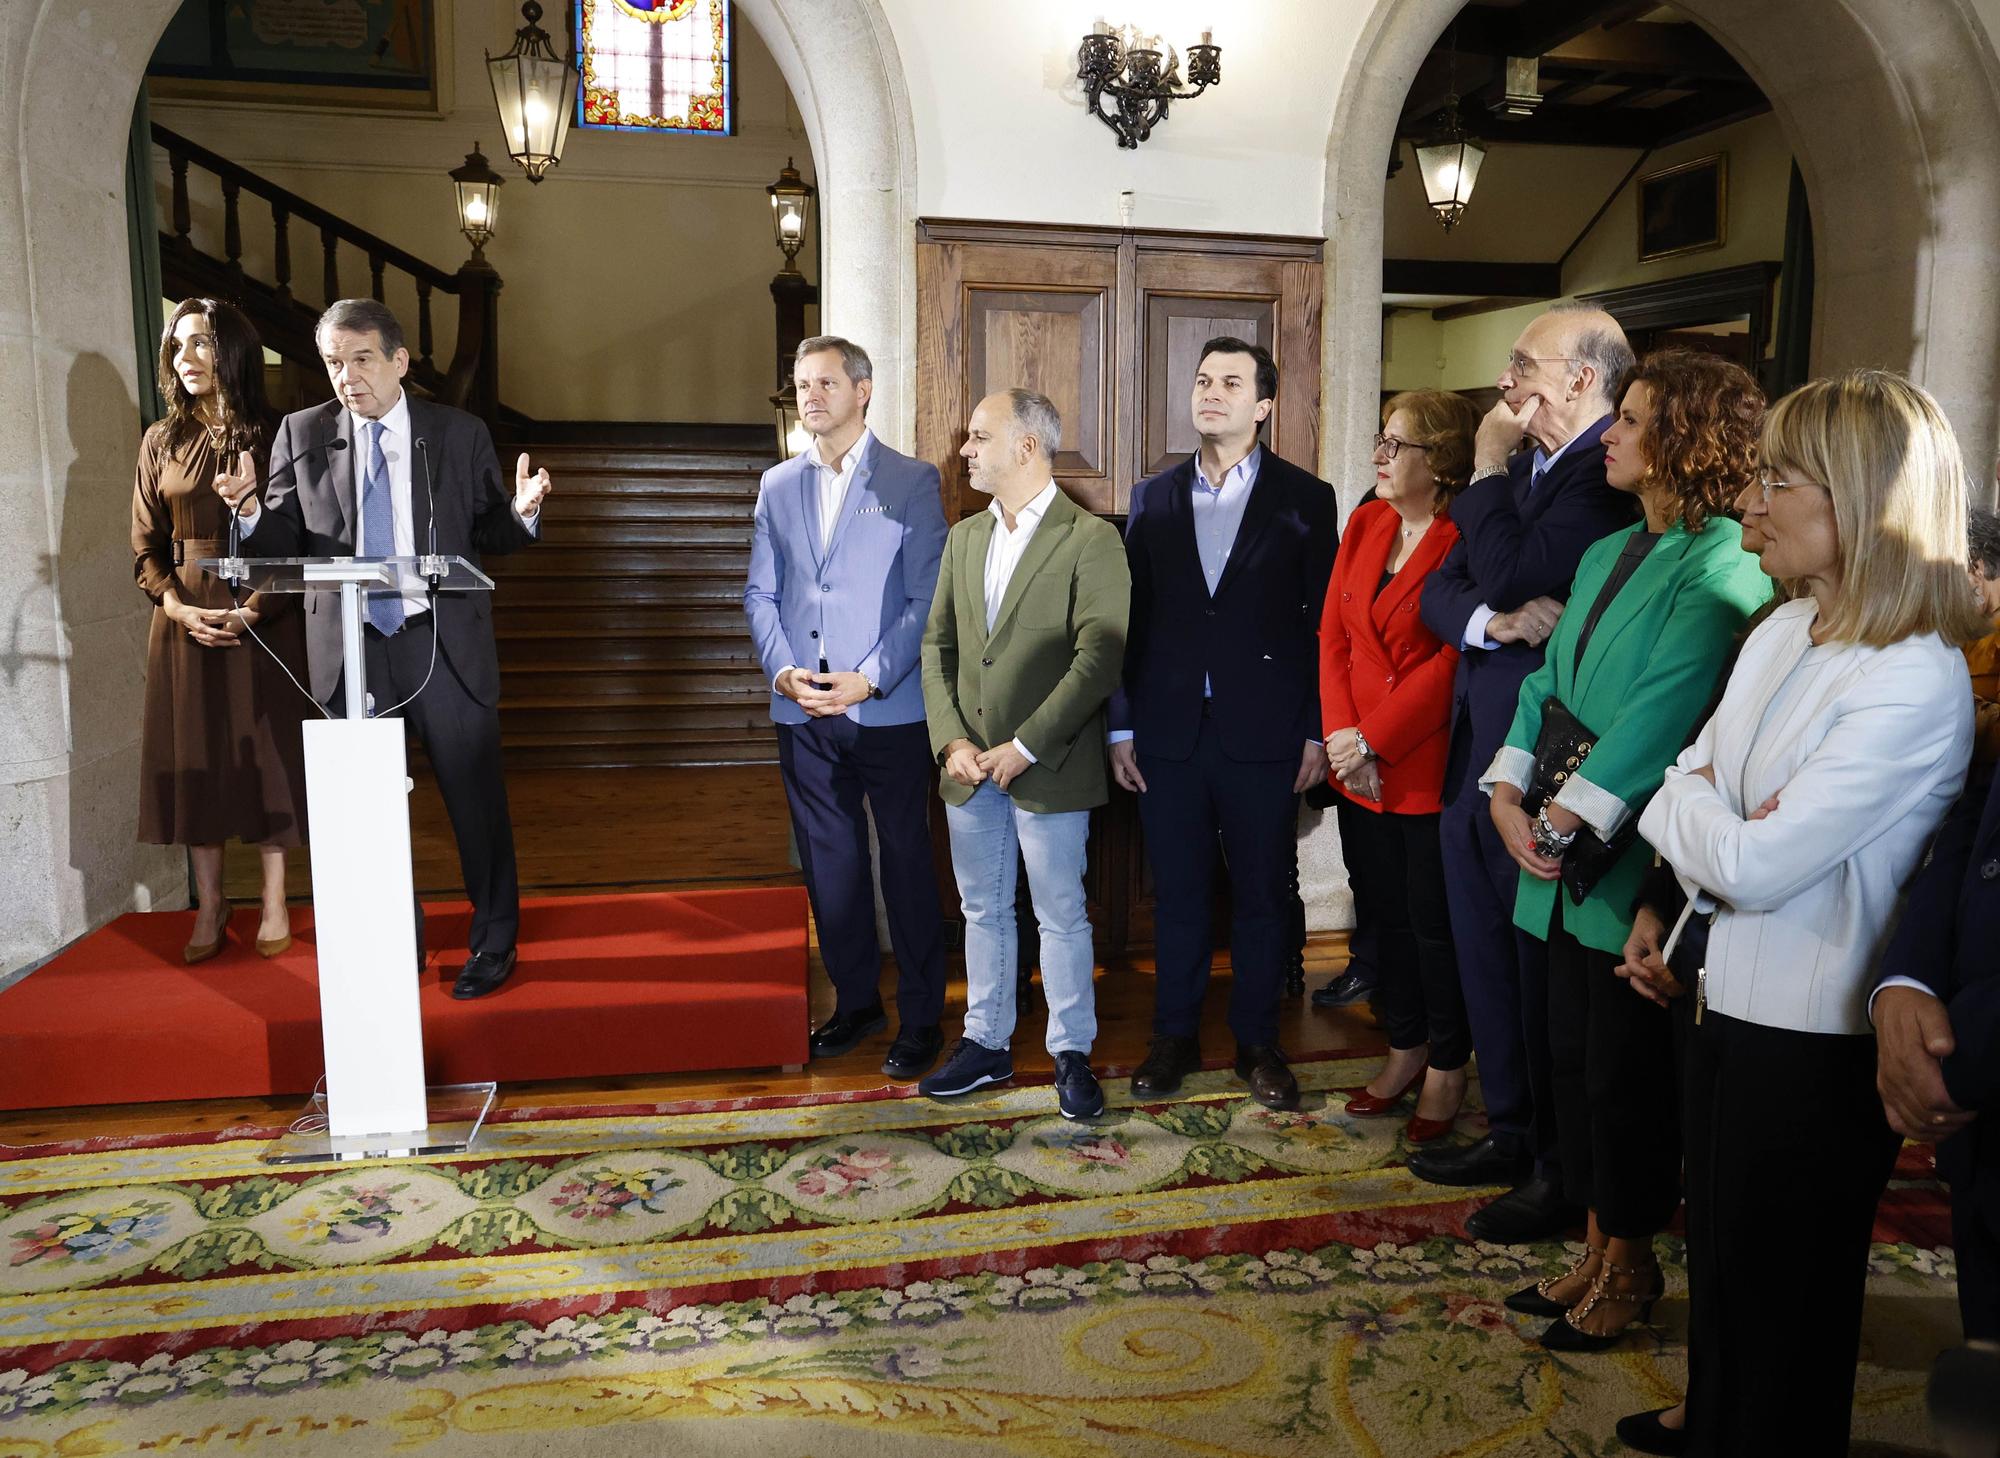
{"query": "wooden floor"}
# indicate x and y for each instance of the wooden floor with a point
(599, 829)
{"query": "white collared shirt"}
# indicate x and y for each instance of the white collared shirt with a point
(397, 451)
(834, 481)
(1003, 553)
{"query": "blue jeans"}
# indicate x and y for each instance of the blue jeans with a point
(985, 831)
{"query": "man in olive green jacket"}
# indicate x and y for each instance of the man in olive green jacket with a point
(1025, 643)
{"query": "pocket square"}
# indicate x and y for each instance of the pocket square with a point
(870, 510)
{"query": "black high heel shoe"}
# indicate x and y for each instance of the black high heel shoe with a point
(1643, 1432)
(1535, 1300)
(1566, 1335)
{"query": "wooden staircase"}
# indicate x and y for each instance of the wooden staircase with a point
(622, 636)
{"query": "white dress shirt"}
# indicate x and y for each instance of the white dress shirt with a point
(1865, 748)
(1003, 555)
(1474, 635)
(834, 481)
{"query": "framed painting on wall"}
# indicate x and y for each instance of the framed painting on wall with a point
(369, 55)
(1684, 209)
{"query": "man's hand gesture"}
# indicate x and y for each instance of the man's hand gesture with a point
(529, 489)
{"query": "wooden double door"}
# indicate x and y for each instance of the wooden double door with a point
(1108, 324)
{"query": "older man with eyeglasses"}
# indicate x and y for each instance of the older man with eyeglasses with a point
(1536, 500)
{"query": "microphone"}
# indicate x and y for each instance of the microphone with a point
(433, 568)
(236, 572)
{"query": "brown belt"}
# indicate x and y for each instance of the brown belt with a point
(209, 547)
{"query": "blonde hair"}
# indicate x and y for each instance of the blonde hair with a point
(1885, 452)
(1445, 424)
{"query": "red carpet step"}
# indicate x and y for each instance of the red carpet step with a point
(610, 984)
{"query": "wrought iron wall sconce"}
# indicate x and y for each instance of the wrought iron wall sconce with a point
(1140, 78)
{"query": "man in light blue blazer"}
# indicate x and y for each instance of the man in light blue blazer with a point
(843, 565)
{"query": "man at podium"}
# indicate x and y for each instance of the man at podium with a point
(375, 472)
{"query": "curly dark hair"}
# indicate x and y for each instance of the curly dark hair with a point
(1701, 444)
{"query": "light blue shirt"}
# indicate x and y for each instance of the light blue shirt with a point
(1218, 513)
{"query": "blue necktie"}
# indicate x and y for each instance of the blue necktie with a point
(378, 531)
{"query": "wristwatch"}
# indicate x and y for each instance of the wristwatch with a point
(874, 691)
(1361, 743)
(1486, 471)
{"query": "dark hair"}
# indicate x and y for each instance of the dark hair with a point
(1267, 368)
(1702, 442)
(1982, 535)
(239, 382)
(360, 316)
(1444, 424)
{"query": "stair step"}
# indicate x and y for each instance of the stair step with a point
(614, 655)
(614, 460)
(584, 623)
(631, 684)
(681, 560)
(681, 506)
(589, 536)
(642, 756)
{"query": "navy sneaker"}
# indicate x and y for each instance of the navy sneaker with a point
(1077, 1093)
(969, 1066)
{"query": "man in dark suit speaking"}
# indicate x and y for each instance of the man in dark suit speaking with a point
(1217, 726)
(375, 472)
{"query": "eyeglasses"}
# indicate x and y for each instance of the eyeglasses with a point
(1524, 364)
(1388, 445)
(1770, 486)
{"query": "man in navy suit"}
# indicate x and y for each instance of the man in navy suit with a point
(843, 563)
(1937, 1027)
(1217, 724)
(1525, 523)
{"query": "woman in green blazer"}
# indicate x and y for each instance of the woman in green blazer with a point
(1634, 657)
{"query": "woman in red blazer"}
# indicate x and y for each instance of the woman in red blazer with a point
(1385, 700)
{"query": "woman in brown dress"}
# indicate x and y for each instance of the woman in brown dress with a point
(221, 756)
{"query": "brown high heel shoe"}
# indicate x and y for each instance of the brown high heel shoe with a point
(1566, 1335)
(1535, 1300)
(275, 947)
(195, 952)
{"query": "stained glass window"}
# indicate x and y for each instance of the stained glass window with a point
(656, 65)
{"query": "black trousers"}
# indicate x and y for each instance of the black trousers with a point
(1787, 1155)
(1504, 974)
(1252, 805)
(1616, 1084)
(1977, 1245)
(1364, 950)
(830, 766)
(1397, 866)
(461, 736)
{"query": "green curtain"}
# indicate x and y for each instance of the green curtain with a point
(142, 228)
(1791, 361)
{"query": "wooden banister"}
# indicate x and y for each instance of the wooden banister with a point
(471, 381)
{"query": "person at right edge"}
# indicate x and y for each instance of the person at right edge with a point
(1658, 607)
(1794, 821)
(1524, 524)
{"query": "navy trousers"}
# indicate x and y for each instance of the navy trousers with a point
(830, 767)
(1251, 805)
(1505, 976)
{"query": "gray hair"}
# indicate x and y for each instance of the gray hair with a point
(361, 316)
(853, 358)
(1036, 415)
(1982, 534)
(1600, 343)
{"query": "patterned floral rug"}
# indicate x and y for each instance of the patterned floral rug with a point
(861, 1276)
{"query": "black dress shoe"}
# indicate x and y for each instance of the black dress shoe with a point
(1533, 1210)
(1494, 1160)
(1643, 1432)
(483, 973)
(913, 1052)
(1263, 1067)
(1170, 1059)
(1344, 990)
(839, 1033)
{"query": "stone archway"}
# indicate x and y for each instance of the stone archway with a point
(72, 642)
(1893, 113)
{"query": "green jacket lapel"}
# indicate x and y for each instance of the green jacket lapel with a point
(1052, 532)
(1641, 596)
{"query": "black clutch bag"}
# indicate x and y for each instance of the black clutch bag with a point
(1560, 750)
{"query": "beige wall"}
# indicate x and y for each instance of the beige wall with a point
(637, 275)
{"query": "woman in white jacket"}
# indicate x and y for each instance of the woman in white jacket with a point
(1793, 820)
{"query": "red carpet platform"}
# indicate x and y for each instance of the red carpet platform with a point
(615, 984)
